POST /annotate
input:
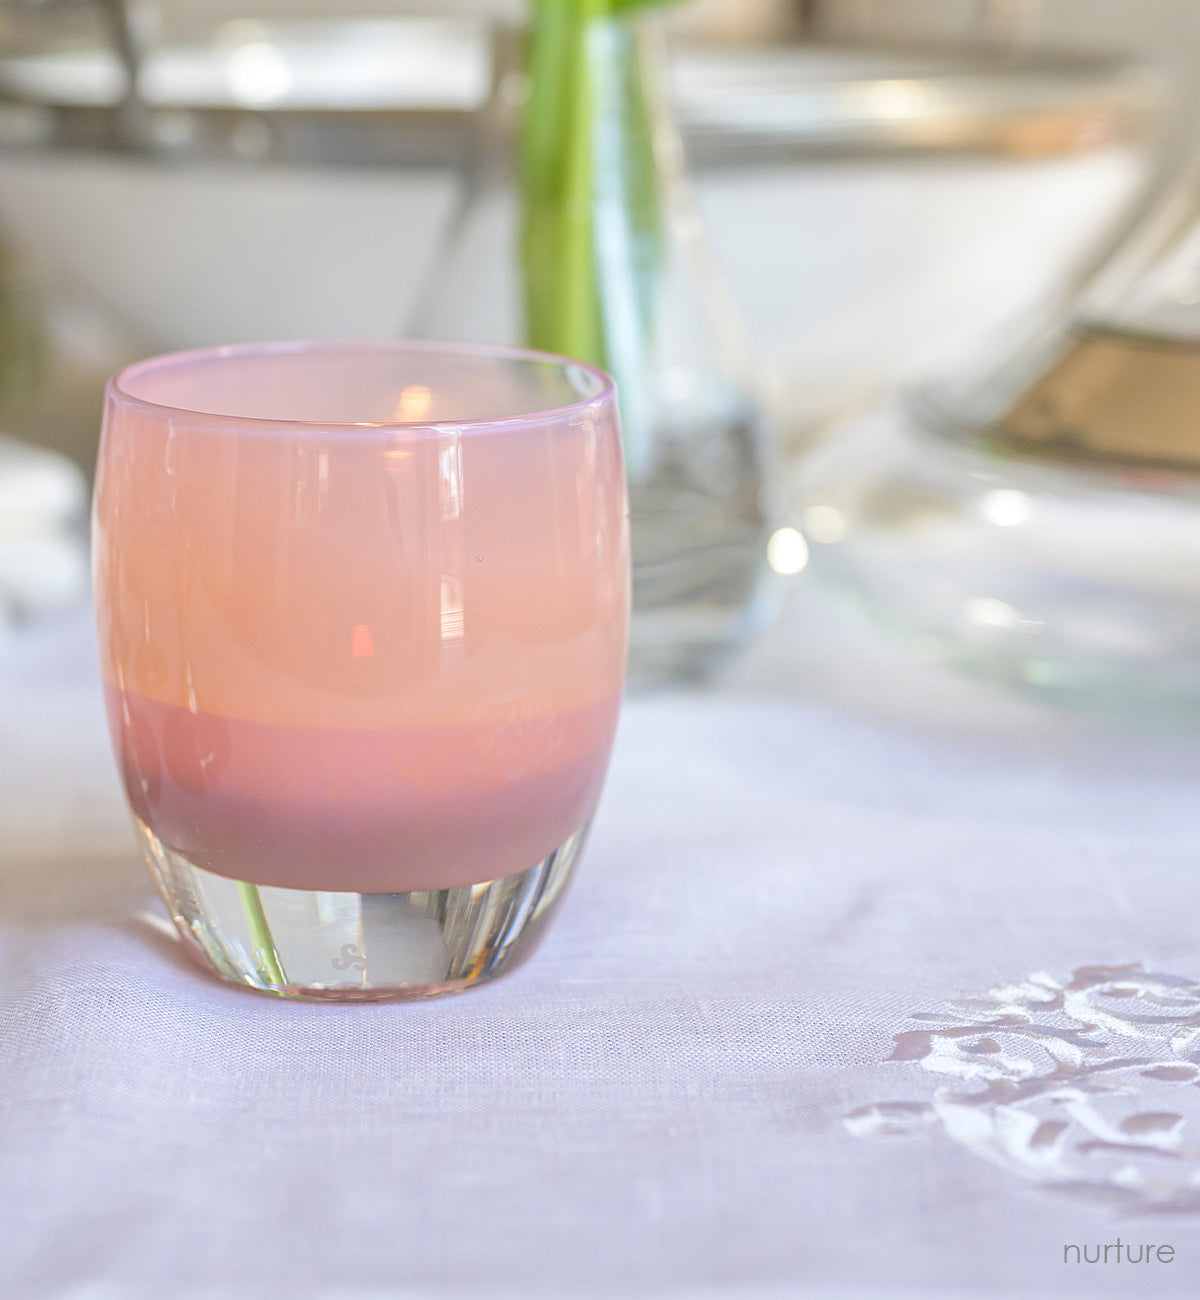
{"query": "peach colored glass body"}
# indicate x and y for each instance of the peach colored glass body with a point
(369, 636)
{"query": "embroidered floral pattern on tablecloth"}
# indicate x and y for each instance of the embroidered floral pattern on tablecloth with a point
(1091, 1086)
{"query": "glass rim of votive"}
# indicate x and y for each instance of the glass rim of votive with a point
(604, 388)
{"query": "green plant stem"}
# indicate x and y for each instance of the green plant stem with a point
(270, 967)
(590, 222)
(592, 228)
(556, 167)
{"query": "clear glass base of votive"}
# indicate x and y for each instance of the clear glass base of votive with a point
(350, 947)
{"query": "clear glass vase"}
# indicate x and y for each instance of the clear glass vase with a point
(1037, 520)
(575, 232)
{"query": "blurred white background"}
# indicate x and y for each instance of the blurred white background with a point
(866, 243)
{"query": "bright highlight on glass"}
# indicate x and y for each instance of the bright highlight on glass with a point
(824, 524)
(362, 613)
(787, 551)
(258, 74)
(986, 611)
(1006, 507)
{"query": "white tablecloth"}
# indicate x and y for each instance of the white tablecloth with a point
(688, 1091)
